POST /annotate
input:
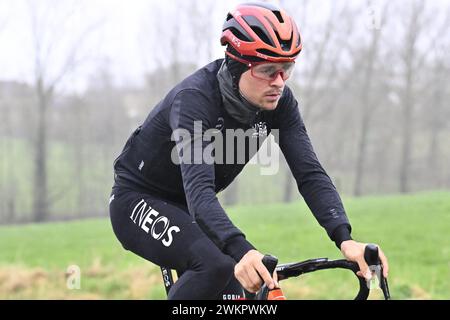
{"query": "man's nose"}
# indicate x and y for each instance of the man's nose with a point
(278, 82)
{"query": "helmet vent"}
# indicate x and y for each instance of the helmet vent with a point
(262, 35)
(278, 15)
(285, 44)
(259, 29)
(240, 35)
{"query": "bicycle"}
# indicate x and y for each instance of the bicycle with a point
(296, 269)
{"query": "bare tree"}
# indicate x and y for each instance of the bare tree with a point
(48, 40)
(8, 181)
(201, 20)
(368, 104)
(164, 50)
(320, 78)
(7, 185)
(414, 28)
(438, 94)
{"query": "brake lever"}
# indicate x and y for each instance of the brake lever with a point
(372, 258)
(270, 262)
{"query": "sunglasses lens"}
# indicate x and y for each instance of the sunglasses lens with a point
(270, 71)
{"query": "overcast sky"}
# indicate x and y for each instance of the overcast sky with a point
(116, 29)
(116, 40)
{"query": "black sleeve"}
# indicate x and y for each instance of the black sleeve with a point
(313, 182)
(199, 176)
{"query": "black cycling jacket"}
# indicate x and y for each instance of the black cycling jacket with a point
(146, 164)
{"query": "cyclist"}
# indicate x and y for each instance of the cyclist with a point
(167, 212)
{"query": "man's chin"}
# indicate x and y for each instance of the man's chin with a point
(272, 105)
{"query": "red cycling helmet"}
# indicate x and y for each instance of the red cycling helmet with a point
(261, 32)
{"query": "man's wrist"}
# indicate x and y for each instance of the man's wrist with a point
(341, 234)
(345, 243)
(237, 247)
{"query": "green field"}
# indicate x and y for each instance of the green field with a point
(413, 231)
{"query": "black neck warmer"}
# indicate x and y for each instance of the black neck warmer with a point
(234, 103)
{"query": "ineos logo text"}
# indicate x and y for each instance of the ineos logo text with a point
(149, 220)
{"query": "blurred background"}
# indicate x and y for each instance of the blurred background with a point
(77, 77)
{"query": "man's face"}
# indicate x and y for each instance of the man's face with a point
(263, 84)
